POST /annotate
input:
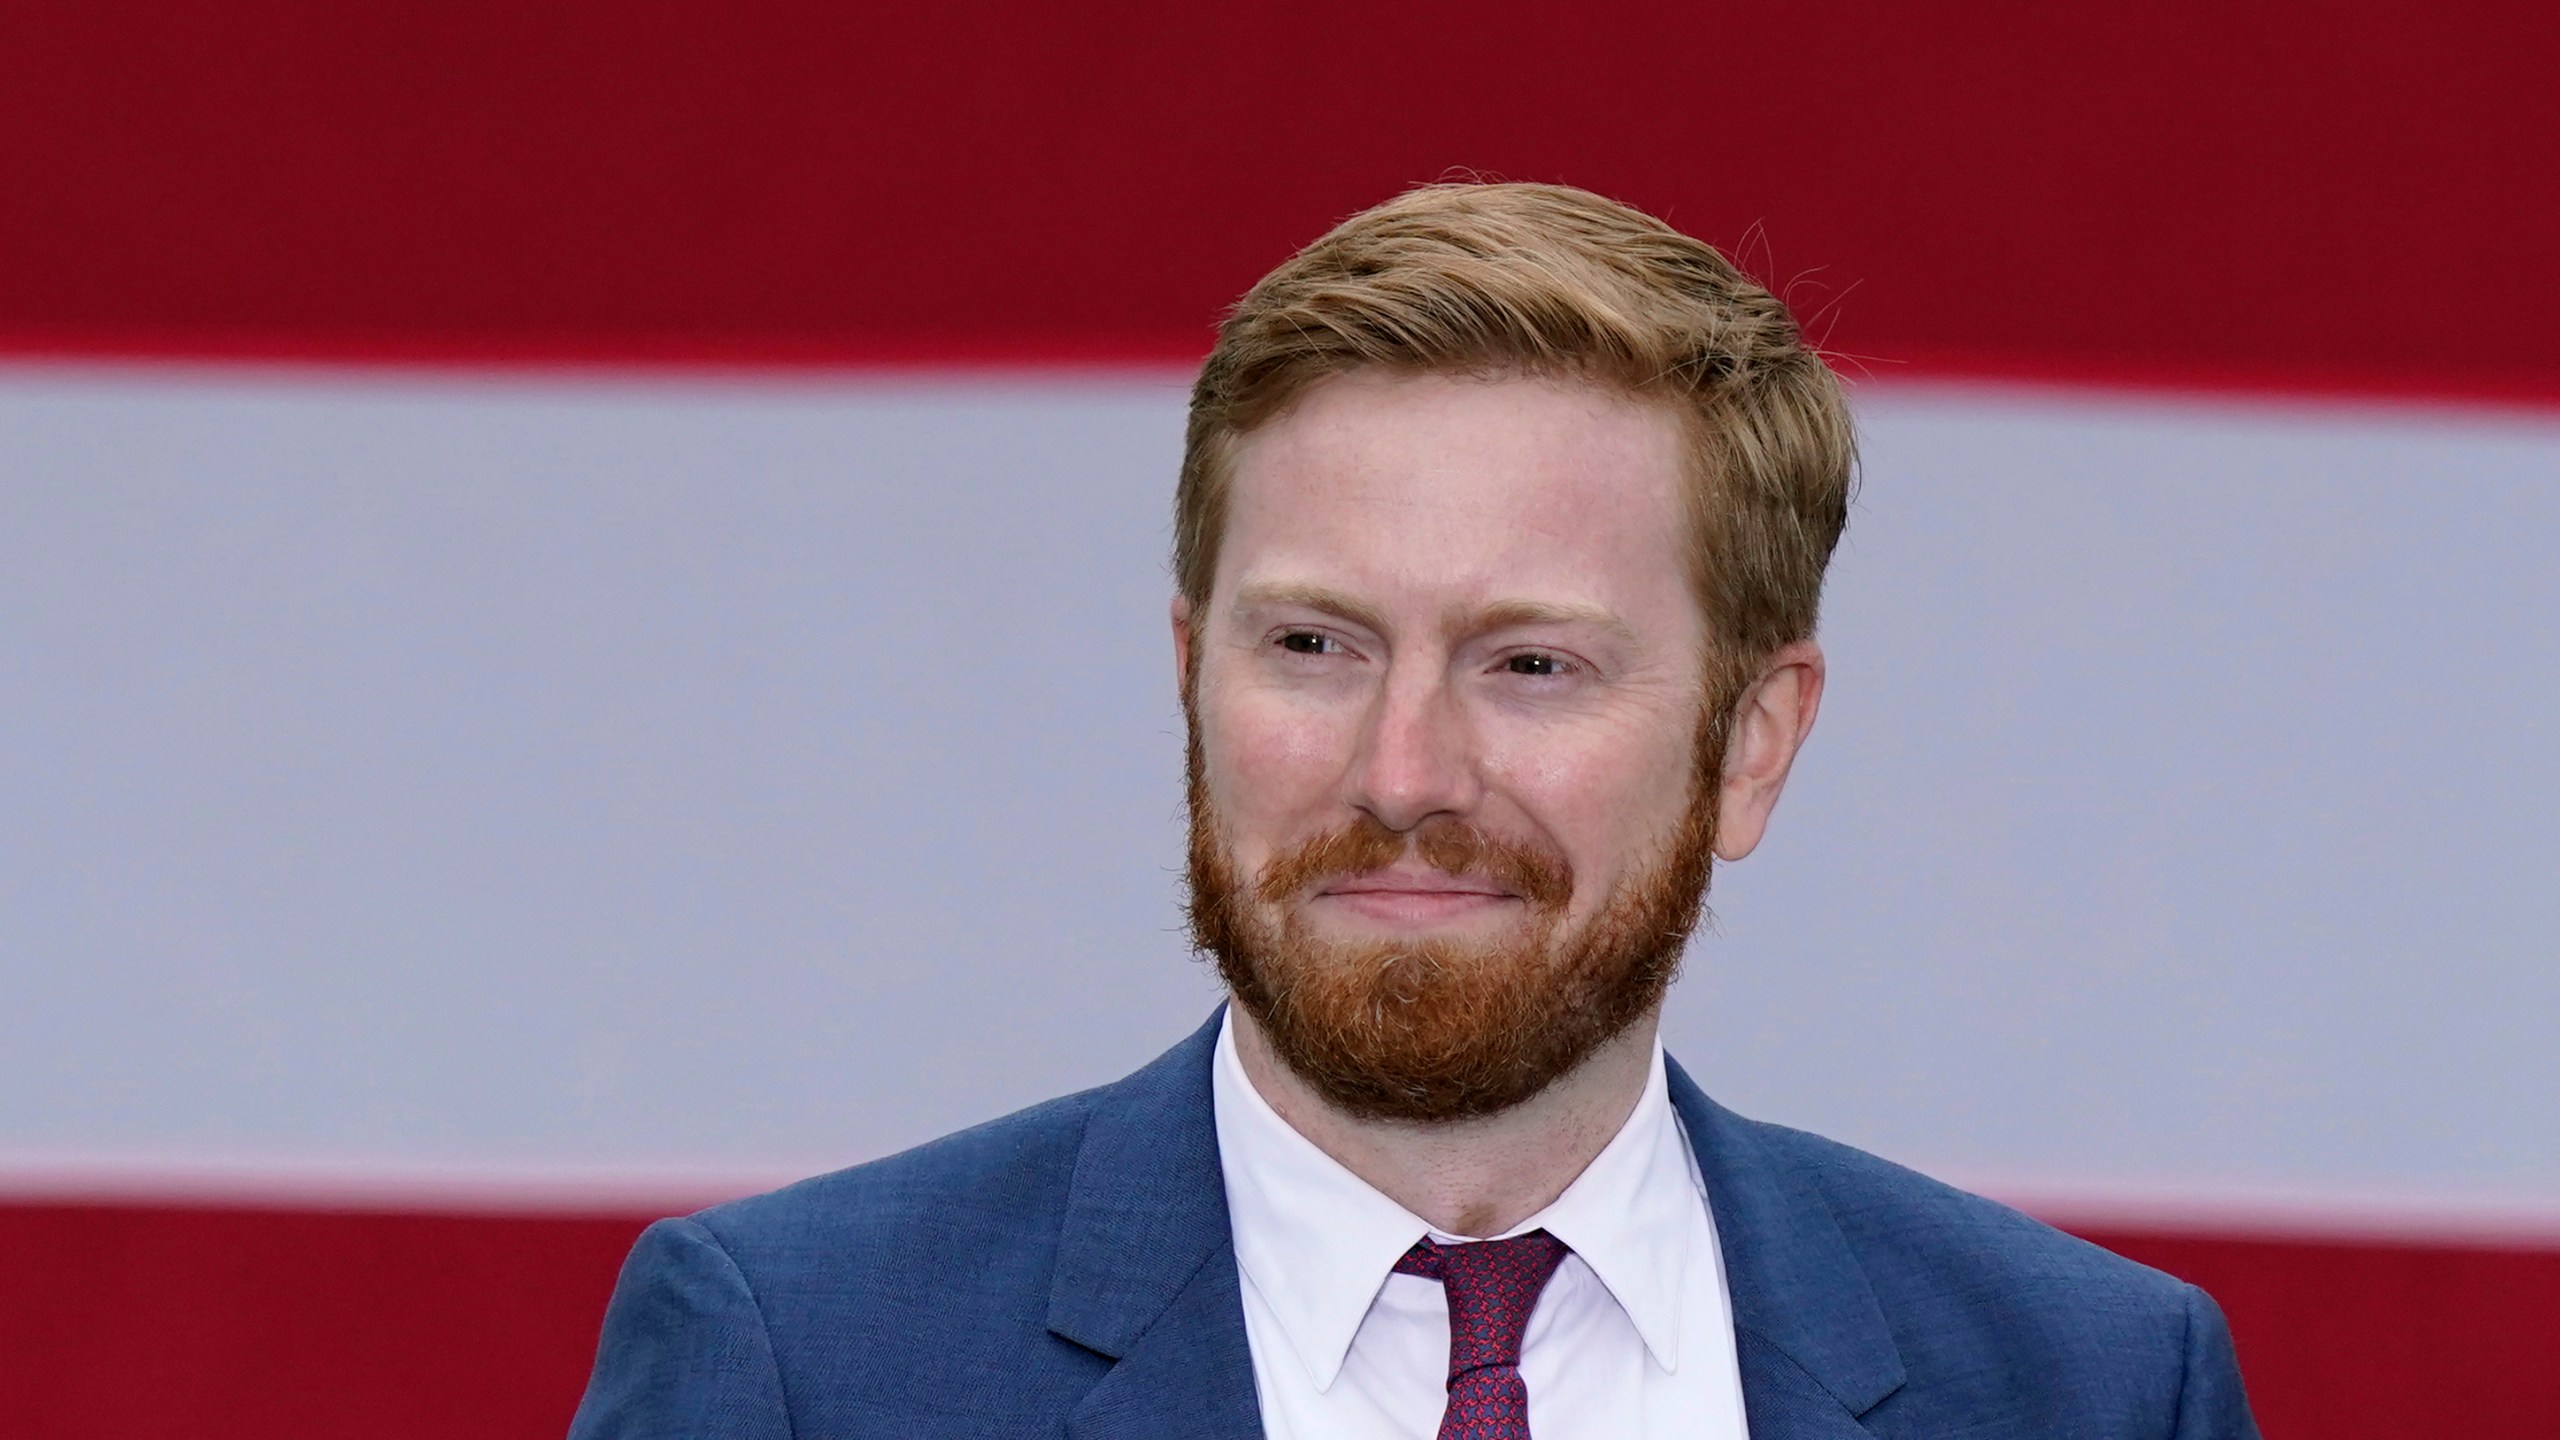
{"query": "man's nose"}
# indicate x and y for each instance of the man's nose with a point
(1416, 756)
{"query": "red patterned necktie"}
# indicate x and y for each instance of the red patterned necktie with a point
(1492, 1285)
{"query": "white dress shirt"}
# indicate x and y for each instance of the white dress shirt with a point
(1631, 1340)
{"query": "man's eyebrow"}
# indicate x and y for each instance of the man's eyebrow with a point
(1313, 597)
(1458, 620)
(1506, 614)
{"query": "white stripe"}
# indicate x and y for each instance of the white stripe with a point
(663, 776)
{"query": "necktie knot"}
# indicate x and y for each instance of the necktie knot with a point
(1492, 1287)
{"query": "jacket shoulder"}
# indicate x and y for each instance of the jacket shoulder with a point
(1005, 1177)
(891, 1293)
(2002, 1318)
(905, 1296)
(1900, 1219)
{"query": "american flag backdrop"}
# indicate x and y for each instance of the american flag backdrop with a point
(582, 632)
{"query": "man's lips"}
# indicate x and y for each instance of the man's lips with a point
(1416, 899)
(1417, 883)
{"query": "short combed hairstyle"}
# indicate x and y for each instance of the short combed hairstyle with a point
(1551, 281)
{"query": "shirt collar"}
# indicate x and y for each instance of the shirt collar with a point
(1317, 1242)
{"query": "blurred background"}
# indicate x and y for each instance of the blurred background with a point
(582, 632)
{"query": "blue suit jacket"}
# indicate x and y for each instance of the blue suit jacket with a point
(1068, 1271)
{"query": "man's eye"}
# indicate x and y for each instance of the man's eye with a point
(1534, 665)
(1305, 642)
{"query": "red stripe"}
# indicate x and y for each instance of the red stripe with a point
(2351, 189)
(2342, 1341)
(141, 1322)
(132, 1321)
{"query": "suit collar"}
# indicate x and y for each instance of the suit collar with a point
(1806, 1321)
(1147, 1206)
(1146, 1270)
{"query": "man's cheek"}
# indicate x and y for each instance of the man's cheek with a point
(1609, 775)
(1284, 761)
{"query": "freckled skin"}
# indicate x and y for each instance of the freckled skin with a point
(1445, 596)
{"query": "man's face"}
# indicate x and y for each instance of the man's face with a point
(1447, 695)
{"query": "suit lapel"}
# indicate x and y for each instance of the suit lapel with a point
(1782, 1401)
(1146, 1271)
(1814, 1350)
(1189, 1374)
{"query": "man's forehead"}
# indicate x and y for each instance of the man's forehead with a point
(1516, 492)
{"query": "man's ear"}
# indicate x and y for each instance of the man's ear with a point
(1769, 726)
(1182, 644)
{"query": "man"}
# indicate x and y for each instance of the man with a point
(1499, 538)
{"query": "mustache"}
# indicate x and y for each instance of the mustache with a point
(1537, 874)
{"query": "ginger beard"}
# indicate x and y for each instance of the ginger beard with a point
(1445, 1029)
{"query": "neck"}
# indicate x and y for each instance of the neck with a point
(1478, 1176)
